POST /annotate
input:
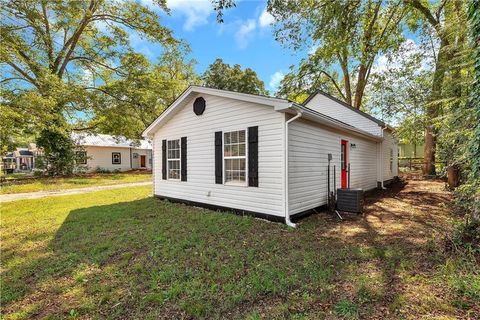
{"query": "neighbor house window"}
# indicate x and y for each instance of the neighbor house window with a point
(116, 158)
(81, 157)
(235, 157)
(173, 159)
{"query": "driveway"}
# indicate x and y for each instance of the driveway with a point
(41, 194)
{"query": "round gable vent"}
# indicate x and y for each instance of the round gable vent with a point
(199, 106)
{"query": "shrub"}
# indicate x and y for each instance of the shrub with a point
(38, 172)
(466, 237)
(102, 170)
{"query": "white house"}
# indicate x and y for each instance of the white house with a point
(21, 160)
(105, 152)
(265, 156)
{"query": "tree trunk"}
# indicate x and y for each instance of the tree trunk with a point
(359, 90)
(432, 112)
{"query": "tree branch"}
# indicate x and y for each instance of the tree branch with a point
(334, 83)
(72, 42)
(425, 12)
(14, 78)
(48, 37)
(23, 73)
(99, 63)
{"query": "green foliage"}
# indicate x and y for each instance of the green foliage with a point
(467, 237)
(126, 106)
(220, 75)
(52, 52)
(398, 93)
(346, 37)
(59, 158)
(346, 309)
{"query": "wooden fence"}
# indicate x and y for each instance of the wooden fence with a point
(416, 164)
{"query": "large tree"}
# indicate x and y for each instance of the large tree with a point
(445, 22)
(221, 75)
(399, 91)
(345, 36)
(128, 105)
(51, 49)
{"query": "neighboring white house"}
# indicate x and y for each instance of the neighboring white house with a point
(21, 160)
(105, 152)
(265, 156)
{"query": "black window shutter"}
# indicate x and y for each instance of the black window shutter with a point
(253, 156)
(164, 159)
(218, 158)
(183, 158)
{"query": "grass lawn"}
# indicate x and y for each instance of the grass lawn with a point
(51, 184)
(123, 254)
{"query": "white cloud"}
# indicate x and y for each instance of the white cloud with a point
(265, 19)
(275, 80)
(245, 33)
(313, 49)
(196, 12)
(141, 45)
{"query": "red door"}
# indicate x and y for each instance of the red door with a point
(343, 159)
(142, 161)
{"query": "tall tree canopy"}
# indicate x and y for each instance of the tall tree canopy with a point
(221, 75)
(399, 91)
(346, 37)
(445, 23)
(52, 50)
(129, 104)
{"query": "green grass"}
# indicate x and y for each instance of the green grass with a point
(53, 184)
(123, 254)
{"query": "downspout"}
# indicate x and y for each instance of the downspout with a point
(381, 160)
(288, 222)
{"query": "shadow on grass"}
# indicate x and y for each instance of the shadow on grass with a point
(150, 258)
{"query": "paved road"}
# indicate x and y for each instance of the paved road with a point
(41, 194)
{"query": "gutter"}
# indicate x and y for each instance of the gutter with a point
(288, 222)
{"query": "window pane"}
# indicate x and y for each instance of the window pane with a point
(228, 151)
(235, 150)
(241, 136)
(241, 151)
(234, 137)
(227, 138)
(242, 164)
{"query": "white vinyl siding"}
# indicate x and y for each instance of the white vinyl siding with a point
(225, 114)
(101, 157)
(309, 146)
(390, 147)
(333, 109)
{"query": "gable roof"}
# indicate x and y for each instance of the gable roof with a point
(278, 104)
(105, 140)
(170, 111)
(343, 103)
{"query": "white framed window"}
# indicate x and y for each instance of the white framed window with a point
(235, 157)
(173, 159)
(116, 158)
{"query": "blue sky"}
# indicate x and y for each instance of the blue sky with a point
(244, 38)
